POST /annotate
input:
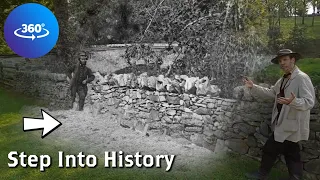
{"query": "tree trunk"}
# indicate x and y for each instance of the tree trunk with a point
(295, 14)
(304, 6)
(314, 13)
(65, 45)
(269, 18)
(279, 16)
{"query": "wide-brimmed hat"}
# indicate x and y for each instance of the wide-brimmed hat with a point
(285, 52)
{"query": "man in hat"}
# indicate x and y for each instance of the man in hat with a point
(294, 97)
(80, 76)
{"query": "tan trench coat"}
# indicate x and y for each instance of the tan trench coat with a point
(293, 122)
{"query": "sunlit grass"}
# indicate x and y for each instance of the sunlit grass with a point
(310, 66)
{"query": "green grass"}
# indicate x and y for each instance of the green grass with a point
(287, 24)
(310, 66)
(12, 102)
(12, 138)
(313, 32)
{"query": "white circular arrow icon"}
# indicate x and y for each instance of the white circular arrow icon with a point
(32, 36)
(42, 36)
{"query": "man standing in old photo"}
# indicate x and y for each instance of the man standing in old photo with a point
(294, 97)
(80, 75)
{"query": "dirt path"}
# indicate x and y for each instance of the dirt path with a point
(103, 133)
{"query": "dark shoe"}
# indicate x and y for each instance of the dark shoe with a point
(295, 170)
(256, 175)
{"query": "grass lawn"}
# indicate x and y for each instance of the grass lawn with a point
(313, 32)
(12, 138)
(310, 66)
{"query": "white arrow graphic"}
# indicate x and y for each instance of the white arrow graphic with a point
(22, 36)
(47, 123)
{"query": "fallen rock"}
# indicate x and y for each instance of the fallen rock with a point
(205, 88)
(154, 115)
(161, 83)
(98, 78)
(189, 86)
(237, 145)
(203, 111)
(120, 79)
(245, 128)
(171, 112)
(193, 129)
(143, 80)
(313, 166)
(305, 157)
(152, 82)
(254, 152)
(251, 141)
(173, 100)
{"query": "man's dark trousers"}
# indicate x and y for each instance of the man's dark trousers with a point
(82, 90)
(291, 152)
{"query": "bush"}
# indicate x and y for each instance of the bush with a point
(298, 39)
(275, 38)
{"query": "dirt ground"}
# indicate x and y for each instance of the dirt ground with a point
(97, 134)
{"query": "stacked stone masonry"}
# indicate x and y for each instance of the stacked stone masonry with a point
(32, 79)
(241, 124)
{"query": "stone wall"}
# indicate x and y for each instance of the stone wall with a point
(241, 124)
(31, 78)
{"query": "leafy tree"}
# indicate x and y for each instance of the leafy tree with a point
(301, 8)
(304, 9)
(216, 41)
(297, 39)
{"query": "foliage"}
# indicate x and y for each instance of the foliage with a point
(143, 51)
(297, 39)
(275, 38)
(201, 29)
(301, 7)
(308, 65)
(211, 40)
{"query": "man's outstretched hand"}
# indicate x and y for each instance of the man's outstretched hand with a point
(248, 82)
(288, 100)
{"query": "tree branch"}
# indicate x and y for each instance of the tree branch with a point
(195, 21)
(151, 20)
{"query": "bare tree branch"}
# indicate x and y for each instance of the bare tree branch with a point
(151, 20)
(193, 22)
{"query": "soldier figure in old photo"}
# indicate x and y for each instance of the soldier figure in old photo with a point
(80, 75)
